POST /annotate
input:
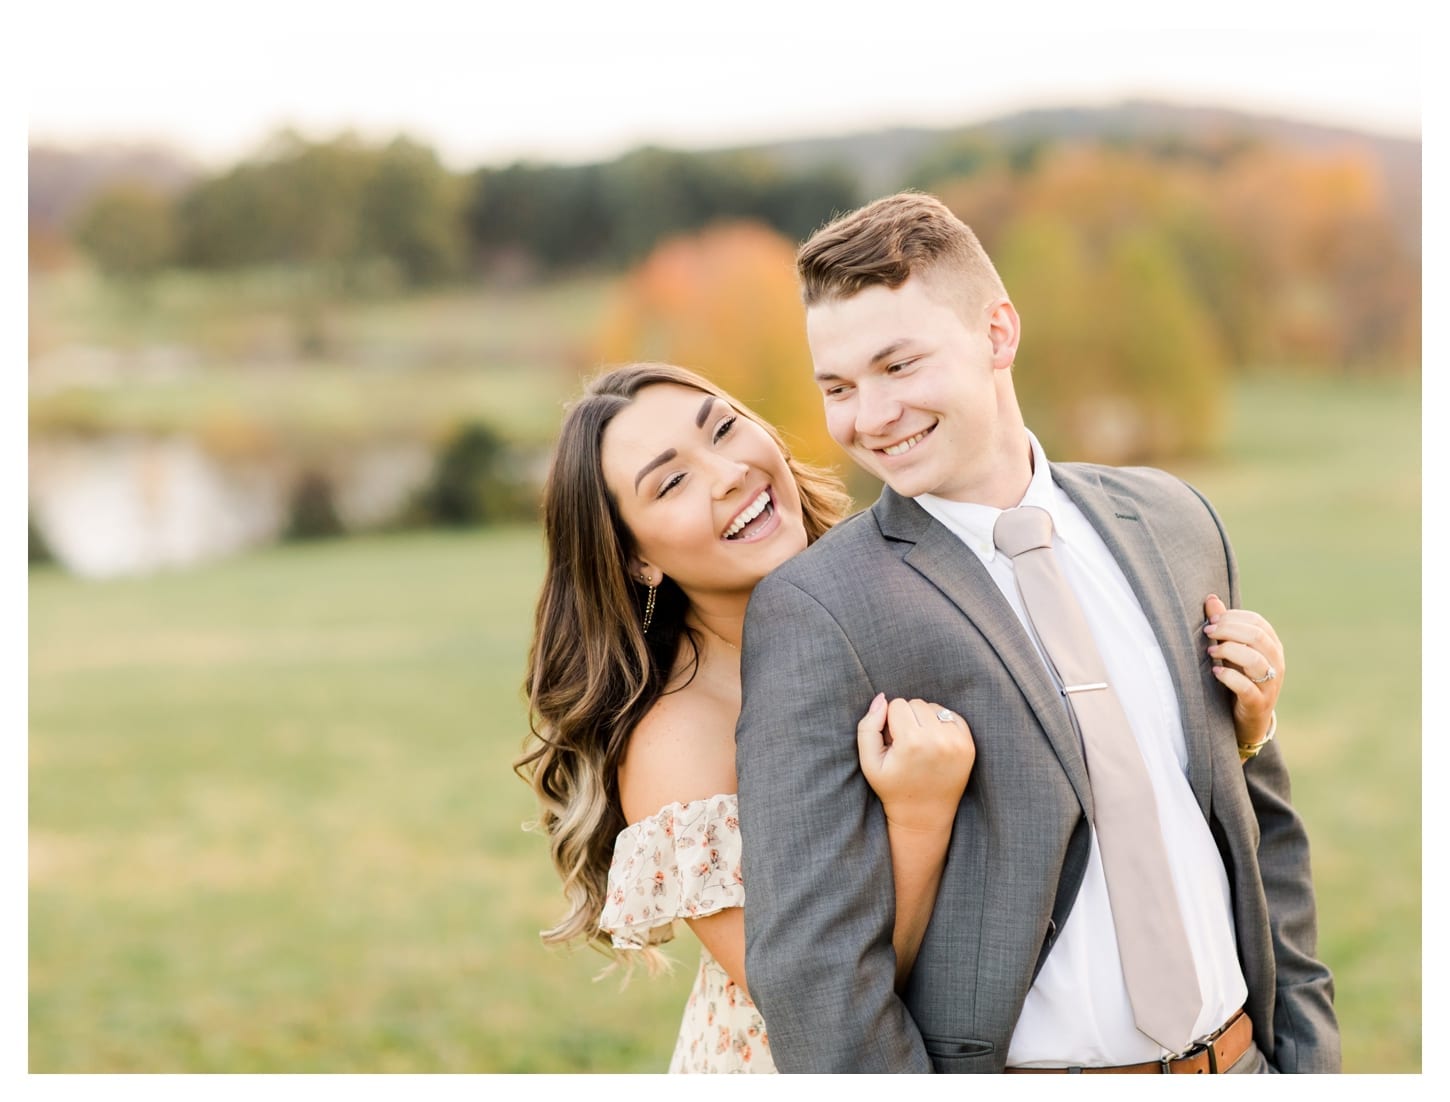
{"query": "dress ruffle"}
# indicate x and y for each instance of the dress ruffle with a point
(681, 862)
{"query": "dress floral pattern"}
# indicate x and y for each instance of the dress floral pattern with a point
(684, 862)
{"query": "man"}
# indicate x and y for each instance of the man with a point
(1127, 885)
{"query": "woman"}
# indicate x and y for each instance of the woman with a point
(666, 503)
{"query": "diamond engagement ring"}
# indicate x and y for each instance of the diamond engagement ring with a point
(1273, 673)
(946, 715)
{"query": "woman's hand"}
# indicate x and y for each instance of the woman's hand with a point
(1249, 659)
(916, 760)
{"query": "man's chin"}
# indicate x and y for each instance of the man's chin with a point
(903, 487)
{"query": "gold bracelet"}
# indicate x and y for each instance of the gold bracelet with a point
(1252, 750)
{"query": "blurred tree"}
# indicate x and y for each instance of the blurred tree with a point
(555, 215)
(313, 191)
(129, 231)
(798, 203)
(1293, 258)
(410, 212)
(1119, 362)
(1338, 283)
(38, 552)
(724, 302)
(654, 193)
(612, 214)
(475, 481)
(334, 208)
(958, 158)
(312, 514)
(226, 221)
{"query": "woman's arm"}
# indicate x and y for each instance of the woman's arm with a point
(917, 857)
(918, 762)
(723, 933)
(680, 752)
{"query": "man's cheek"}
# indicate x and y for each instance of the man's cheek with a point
(841, 426)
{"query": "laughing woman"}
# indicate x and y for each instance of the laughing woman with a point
(666, 503)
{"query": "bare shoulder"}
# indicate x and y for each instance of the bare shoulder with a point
(683, 750)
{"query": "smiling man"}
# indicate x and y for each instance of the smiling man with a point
(1128, 887)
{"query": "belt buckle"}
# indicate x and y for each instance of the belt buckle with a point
(1168, 1059)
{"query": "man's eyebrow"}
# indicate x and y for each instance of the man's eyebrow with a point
(704, 410)
(890, 350)
(662, 458)
(885, 354)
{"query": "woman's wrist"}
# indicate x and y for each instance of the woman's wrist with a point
(1248, 750)
(919, 819)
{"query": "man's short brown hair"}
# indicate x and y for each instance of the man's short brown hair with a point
(888, 241)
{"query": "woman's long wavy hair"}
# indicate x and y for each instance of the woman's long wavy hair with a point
(593, 672)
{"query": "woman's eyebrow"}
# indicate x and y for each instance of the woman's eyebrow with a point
(704, 411)
(663, 457)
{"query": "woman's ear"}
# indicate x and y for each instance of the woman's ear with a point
(643, 572)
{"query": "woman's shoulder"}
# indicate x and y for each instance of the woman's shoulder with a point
(682, 750)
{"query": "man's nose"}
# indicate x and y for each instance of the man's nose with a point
(876, 411)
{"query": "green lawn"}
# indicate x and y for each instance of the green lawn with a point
(273, 825)
(1320, 490)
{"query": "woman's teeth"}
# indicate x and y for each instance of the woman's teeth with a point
(749, 513)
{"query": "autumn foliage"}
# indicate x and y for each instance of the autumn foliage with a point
(724, 302)
(1144, 283)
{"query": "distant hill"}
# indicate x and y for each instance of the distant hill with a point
(63, 180)
(882, 159)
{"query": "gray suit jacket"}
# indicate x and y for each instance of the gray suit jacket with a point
(890, 600)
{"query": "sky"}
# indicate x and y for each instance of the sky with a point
(486, 83)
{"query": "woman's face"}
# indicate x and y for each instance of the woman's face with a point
(705, 491)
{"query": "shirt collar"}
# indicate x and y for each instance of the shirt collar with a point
(974, 523)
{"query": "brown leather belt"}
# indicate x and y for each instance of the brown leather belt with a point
(1214, 1055)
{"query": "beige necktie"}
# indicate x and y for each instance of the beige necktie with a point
(1157, 964)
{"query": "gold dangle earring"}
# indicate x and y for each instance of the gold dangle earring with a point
(649, 602)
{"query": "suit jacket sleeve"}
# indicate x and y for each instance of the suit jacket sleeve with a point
(1305, 1029)
(817, 865)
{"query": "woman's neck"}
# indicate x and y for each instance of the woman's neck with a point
(720, 618)
(726, 633)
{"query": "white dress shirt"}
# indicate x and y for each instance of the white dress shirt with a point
(1077, 1011)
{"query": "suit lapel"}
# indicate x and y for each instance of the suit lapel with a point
(1129, 536)
(940, 558)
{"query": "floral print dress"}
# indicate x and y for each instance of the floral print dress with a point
(684, 862)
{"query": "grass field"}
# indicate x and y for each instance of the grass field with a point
(273, 825)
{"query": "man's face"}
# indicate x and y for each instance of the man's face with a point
(912, 390)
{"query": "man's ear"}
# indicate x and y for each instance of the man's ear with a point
(1004, 330)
